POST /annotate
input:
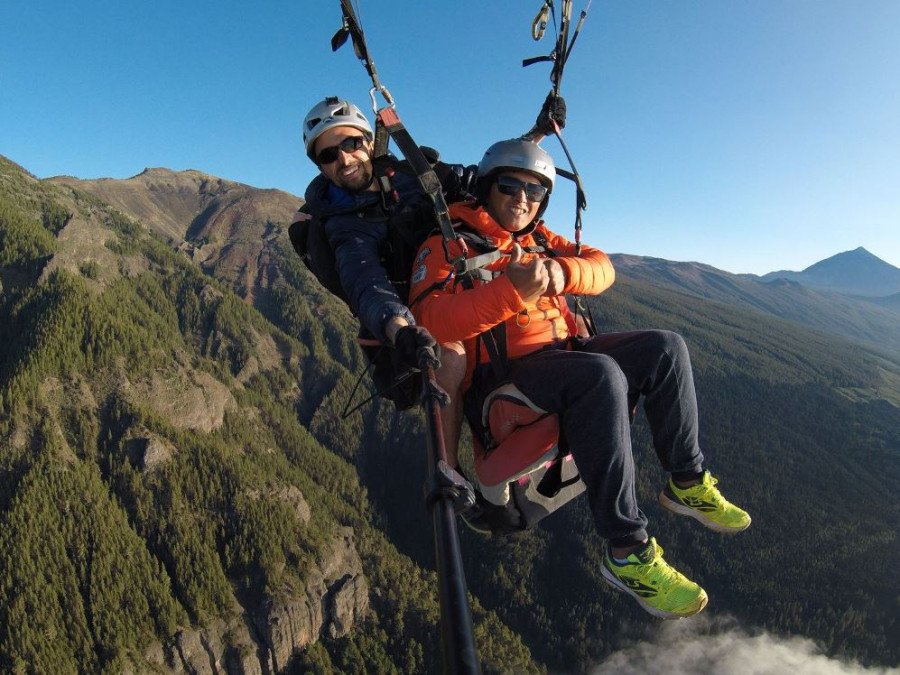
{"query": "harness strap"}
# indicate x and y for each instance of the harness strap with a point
(493, 339)
(382, 138)
(475, 264)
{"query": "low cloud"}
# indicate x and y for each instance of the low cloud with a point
(696, 646)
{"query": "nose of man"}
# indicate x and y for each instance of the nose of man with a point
(519, 197)
(343, 157)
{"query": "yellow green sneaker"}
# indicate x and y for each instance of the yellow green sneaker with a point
(705, 503)
(658, 587)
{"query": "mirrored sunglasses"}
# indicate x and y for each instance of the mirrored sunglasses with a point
(534, 192)
(348, 145)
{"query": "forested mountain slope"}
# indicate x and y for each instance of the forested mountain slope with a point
(110, 336)
(165, 502)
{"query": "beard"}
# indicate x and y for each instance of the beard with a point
(358, 180)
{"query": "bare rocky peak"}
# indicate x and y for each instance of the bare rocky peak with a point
(224, 226)
(184, 205)
(856, 272)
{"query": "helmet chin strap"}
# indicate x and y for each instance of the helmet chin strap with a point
(528, 229)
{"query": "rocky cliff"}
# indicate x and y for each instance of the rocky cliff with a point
(335, 597)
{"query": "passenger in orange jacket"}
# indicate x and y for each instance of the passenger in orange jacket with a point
(528, 294)
(591, 383)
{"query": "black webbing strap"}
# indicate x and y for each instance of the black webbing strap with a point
(388, 118)
(351, 28)
(494, 341)
(552, 483)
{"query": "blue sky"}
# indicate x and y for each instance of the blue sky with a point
(752, 135)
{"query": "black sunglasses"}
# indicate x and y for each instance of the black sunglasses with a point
(534, 192)
(348, 145)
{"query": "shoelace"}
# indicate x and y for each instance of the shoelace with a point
(710, 492)
(715, 496)
(666, 571)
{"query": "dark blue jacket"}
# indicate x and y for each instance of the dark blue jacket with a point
(356, 224)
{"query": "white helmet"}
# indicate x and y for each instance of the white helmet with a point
(330, 113)
(519, 153)
(516, 153)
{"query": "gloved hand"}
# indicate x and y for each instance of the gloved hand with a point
(554, 109)
(416, 348)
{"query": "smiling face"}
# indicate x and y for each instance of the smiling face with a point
(513, 212)
(351, 170)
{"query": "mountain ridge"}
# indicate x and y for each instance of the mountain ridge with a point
(223, 225)
(870, 321)
(170, 219)
(174, 202)
(204, 212)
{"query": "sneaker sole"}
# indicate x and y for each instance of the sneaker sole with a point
(683, 510)
(614, 581)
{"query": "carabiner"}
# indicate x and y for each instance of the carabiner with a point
(385, 94)
(539, 25)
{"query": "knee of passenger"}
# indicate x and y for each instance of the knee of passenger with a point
(453, 365)
(671, 343)
(604, 368)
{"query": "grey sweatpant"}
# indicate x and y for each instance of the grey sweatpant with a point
(593, 385)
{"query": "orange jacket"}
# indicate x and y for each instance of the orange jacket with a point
(452, 313)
